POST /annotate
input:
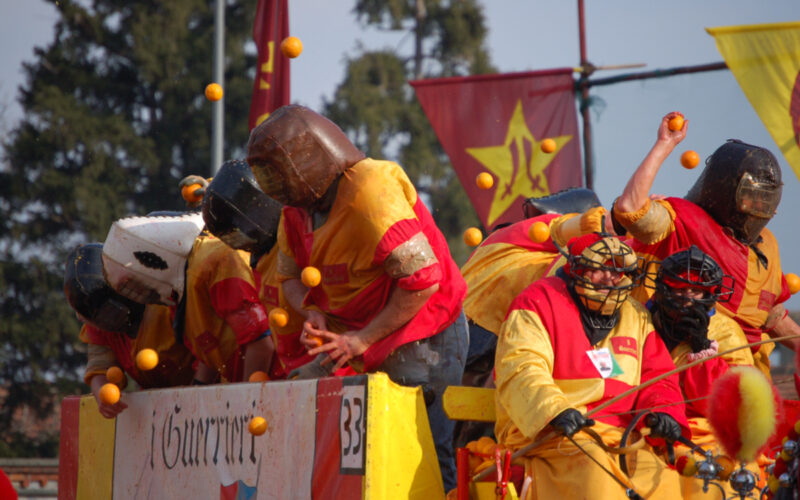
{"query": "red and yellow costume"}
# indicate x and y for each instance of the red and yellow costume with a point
(696, 383)
(376, 215)
(509, 260)
(223, 311)
(676, 224)
(543, 368)
(290, 352)
(108, 349)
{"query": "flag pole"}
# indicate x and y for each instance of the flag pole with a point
(583, 86)
(217, 117)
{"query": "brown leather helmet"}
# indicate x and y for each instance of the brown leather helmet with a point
(296, 154)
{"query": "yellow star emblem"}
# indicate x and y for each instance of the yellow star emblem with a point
(518, 163)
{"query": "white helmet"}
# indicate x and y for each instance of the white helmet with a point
(144, 258)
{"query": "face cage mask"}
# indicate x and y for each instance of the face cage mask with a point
(678, 318)
(603, 300)
(757, 199)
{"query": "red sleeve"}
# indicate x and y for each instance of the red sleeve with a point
(697, 381)
(657, 361)
(785, 293)
(7, 490)
(236, 301)
(399, 233)
(95, 336)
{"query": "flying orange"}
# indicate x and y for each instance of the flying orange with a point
(214, 92)
(539, 232)
(146, 359)
(690, 159)
(311, 277)
(473, 236)
(548, 146)
(291, 47)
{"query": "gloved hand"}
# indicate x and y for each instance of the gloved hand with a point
(664, 426)
(570, 421)
(312, 369)
(693, 326)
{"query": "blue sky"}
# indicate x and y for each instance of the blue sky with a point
(530, 35)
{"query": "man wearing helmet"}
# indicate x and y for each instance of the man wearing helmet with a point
(570, 343)
(688, 284)
(210, 288)
(236, 211)
(116, 328)
(724, 214)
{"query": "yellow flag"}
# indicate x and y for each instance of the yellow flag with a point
(765, 60)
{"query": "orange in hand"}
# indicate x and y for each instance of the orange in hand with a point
(473, 236)
(146, 359)
(311, 277)
(484, 180)
(548, 146)
(114, 375)
(675, 123)
(214, 92)
(291, 47)
(794, 283)
(258, 376)
(278, 317)
(257, 426)
(690, 159)
(539, 232)
(109, 394)
(317, 340)
(189, 193)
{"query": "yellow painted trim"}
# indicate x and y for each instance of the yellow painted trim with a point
(469, 403)
(401, 459)
(95, 452)
(745, 28)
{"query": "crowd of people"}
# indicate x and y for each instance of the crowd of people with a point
(559, 325)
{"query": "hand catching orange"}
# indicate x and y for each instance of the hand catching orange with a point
(316, 340)
(675, 123)
(109, 394)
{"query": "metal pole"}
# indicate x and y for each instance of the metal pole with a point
(586, 70)
(218, 107)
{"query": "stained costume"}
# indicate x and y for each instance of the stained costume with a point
(550, 361)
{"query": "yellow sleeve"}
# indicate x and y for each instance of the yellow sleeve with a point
(729, 335)
(650, 224)
(524, 370)
(566, 227)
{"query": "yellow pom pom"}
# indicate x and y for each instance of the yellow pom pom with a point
(757, 412)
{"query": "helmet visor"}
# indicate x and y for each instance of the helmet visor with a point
(758, 199)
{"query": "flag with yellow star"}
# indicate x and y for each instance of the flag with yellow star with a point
(271, 86)
(497, 124)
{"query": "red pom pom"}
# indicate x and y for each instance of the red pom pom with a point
(723, 412)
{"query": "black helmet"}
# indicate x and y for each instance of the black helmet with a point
(677, 316)
(567, 201)
(236, 211)
(740, 188)
(93, 299)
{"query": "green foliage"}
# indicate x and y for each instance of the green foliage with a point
(114, 117)
(380, 113)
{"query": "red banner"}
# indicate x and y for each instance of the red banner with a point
(496, 124)
(271, 87)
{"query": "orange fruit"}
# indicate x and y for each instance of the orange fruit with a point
(548, 146)
(214, 92)
(316, 339)
(728, 466)
(311, 277)
(188, 193)
(291, 47)
(257, 426)
(115, 375)
(146, 359)
(473, 236)
(690, 159)
(539, 232)
(258, 376)
(675, 123)
(109, 394)
(278, 317)
(794, 284)
(484, 180)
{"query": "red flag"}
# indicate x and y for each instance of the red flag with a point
(496, 124)
(271, 87)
